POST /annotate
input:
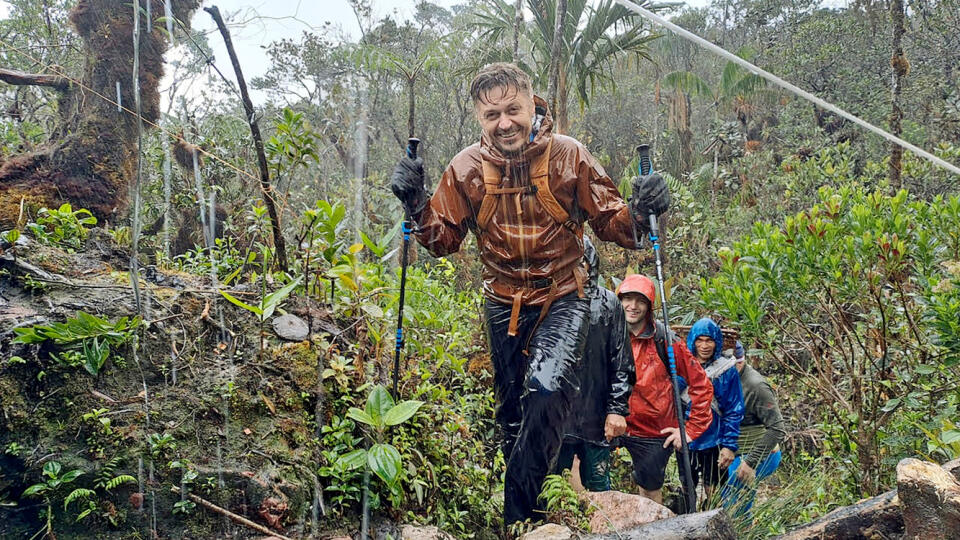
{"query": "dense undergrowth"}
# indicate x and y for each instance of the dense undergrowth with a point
(849, 306)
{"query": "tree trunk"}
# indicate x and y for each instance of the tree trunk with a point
(411, 107)
(94, 164)
(559, 17)
(517, 24)
(900, 69)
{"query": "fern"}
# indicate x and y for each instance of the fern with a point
(119, 481)
(106, 473)
(78, 494)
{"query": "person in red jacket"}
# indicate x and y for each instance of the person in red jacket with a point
(652, 430)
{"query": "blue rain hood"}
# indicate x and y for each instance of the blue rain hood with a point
(706, 327)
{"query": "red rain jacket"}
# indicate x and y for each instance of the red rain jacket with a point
(651, 403)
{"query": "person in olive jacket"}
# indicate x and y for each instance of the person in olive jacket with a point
(607, 375)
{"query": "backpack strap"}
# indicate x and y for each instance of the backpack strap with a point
(660, 340)
(539, 185)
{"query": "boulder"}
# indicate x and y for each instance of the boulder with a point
(877, 517)
(712, 525)
(618, 511)
(930, 499)
(550, 531)
(953, 467)
(413, 532)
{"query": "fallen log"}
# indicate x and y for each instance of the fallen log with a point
(236, 518)
(712, 525)
(877, 517)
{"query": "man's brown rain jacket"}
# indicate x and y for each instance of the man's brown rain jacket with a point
(526, 252)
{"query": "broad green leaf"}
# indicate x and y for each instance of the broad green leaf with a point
(401, 412)
(353, 460)
(51, 469)
(950, 436)
(272, 300)
(384, 461)
(361, 416)
(241, 303)
(372, 310)
(71, 476)
(379, 402)
(35, 489)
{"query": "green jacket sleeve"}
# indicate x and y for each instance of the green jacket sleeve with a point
(768, 410)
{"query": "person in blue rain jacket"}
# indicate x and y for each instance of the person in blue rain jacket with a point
(713, 451)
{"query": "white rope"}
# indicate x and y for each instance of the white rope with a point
(785, 85)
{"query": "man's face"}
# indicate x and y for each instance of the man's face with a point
(704, 346)
(635, 307)
(506, 117)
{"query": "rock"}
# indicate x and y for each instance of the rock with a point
(618, 511)
(712, 525)
(930, 499)
(953, 467)
(550, 531)
(412, 532)
(877, 517)
(291, 327)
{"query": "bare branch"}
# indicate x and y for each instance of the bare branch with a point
(20, 78)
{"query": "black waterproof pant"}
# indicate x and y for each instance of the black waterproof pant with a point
(534, 393)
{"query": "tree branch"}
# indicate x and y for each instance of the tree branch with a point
(19, 78)
(265, 186)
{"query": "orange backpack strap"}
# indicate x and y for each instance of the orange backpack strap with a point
(491, 183)
(540, 177)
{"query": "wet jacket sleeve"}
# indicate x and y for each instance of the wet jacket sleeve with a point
(700, 390)
(605, 209)
(769, 412)
(443, 223)
(729, 396)
(622, 369)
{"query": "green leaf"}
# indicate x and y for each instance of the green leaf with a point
(361, 416)
(372, 310)
(353, 460)
(79, 493)
(379, 402)
(384, 461)
(272, 300)
(241, 303)
(71, 476)
(950, 436)
(33, 490)
(402, 412)
(51, 469)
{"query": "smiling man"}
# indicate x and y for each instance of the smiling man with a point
(526, 192)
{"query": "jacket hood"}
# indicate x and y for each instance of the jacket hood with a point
(636, 283)
(706, 327)
(593, 260)
(531, 150)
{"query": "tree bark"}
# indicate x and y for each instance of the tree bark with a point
(265, 186)
(900, 69)
(92, 165)
(559, 16)
(411, 107)
(12, 76)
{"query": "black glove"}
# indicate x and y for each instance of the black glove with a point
(407, 184)
(650, 196)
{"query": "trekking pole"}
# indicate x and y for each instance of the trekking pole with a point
(646, 167)
(407, 227)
